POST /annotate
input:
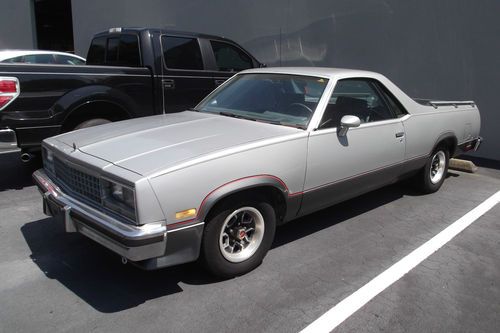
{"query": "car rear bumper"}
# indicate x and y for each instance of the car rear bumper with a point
(8, 141)
(135, 243)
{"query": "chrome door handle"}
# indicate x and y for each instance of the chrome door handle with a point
(168, 84)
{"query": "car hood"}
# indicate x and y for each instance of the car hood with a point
(150, 144)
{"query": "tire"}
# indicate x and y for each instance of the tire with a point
(432, 176)
(92, 122)
(229, 229)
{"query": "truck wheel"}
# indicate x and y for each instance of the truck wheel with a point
(92, 122)
(237, 237)
(432, 176)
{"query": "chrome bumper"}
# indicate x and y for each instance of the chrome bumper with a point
(8, 141)
(133, 242)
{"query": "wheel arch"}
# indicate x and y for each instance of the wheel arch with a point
(267, 187)
(449, 140)
(94, 109)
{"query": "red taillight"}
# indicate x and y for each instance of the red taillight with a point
(9, 90)
(8, 86)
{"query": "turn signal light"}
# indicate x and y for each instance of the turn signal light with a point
(185, 214)
(9, 90)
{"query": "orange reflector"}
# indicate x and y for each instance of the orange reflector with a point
(185, 214)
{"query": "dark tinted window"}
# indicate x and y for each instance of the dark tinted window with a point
(230, 58)
(112, 51)
(356, 97)
(182, 53)
(97, 51)
(122, 50)
(129, 51)
(395, 105)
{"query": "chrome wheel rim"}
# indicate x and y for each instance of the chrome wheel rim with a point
(438, 164)
(241, 234)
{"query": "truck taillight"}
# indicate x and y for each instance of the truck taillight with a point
(9, 90)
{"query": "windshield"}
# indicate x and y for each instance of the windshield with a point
(274, 98)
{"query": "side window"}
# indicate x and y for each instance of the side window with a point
(97, 51)
(395, 105)
(14, 60)
(67, 60)
(356, 97)
(230, 58)
(39, 59)
(182, 53)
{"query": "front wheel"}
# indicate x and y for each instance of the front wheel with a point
(432, 176)
(237, 237)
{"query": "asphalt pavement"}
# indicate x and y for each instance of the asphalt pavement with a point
(56, 282)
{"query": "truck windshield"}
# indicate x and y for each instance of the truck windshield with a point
(275, 98)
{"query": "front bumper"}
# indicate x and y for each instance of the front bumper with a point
(136, 243)
(8, 141)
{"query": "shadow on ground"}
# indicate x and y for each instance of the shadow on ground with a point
(14, 174)
(97, 276)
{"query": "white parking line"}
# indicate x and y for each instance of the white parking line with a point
(343, 310)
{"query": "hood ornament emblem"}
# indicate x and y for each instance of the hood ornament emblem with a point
(74, 146)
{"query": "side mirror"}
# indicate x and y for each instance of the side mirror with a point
(347, 122)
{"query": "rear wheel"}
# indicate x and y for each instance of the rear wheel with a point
(92, 122)
(432, 176)
(237, 237)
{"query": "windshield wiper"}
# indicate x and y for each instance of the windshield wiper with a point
(234, 115)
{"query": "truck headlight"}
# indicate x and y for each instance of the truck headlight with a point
(119, 198)
(48, 160)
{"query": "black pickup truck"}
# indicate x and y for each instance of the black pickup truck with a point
(130, 72)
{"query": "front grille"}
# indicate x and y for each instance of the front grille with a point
(76, 181)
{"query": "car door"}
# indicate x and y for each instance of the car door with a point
(226, 59)
(367, 157)
(185, 80)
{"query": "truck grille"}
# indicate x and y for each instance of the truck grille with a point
(75, 181)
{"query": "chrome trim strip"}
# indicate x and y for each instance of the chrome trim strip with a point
(80, 74)
(186, 227)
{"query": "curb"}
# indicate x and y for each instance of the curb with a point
(462, 165)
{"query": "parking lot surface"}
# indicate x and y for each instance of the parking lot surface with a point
(51, 281)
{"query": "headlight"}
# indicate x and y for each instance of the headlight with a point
(119, 198)
(48, 160)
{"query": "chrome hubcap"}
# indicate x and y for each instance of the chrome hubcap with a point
(241, 234)
(437, 167)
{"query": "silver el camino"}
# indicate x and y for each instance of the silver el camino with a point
(266, 147)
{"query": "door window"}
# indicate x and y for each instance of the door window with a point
(67, 60)
(356, 97)
(182, 53)
(39, 59)
(230, 58)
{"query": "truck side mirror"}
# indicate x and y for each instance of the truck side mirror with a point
(347, 122)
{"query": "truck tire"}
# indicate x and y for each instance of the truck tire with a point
(92, 122)
(238, 236)
(432, 176)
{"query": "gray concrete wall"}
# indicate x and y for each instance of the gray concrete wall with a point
(17, 25)
(445, 50)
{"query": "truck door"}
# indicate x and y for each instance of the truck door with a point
(340, 167)
(184, 78)
(225, 59)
